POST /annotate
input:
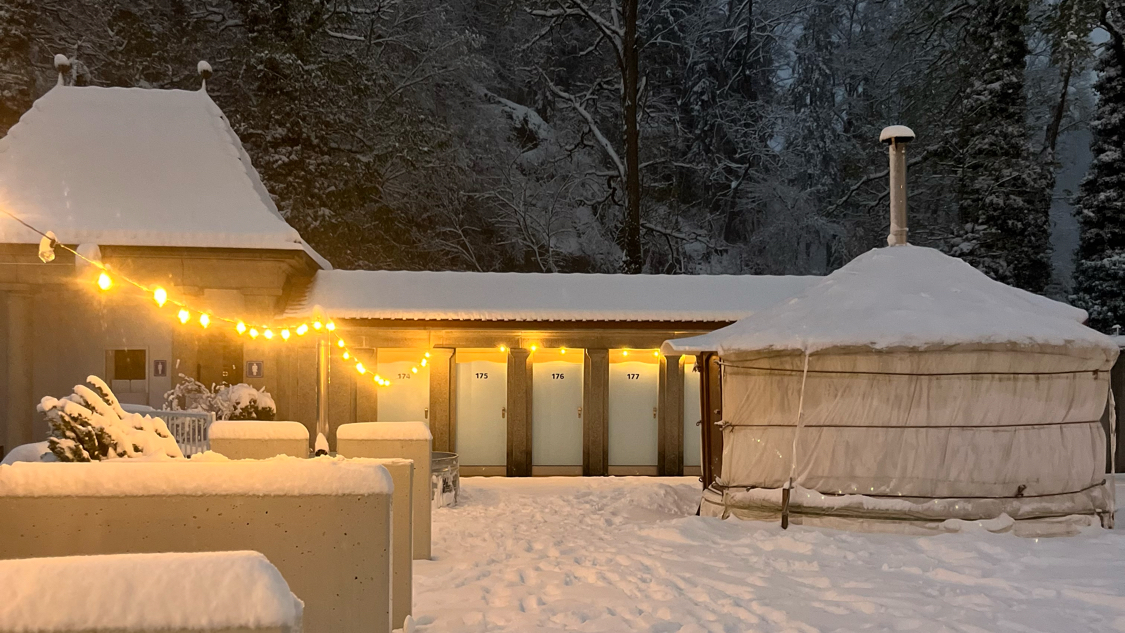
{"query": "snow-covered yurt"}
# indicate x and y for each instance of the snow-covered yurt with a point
(906, 389)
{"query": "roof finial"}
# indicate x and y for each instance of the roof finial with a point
(204, 71)
(62, 64)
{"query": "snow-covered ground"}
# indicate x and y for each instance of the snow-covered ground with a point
(611, 554)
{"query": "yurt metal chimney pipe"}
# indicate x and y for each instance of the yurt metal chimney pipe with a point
(897, 137)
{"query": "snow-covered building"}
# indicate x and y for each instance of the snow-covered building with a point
(155, 184)
(524, 374)
(908, 387)
(520, 374)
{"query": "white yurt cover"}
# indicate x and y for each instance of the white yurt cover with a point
(907, 385)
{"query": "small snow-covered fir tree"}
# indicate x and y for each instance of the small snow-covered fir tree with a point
(90, 425)
(1005, 195)
(1099, 272)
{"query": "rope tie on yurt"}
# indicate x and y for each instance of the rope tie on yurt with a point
(1108, 519)
(842, 372)
(788, 489)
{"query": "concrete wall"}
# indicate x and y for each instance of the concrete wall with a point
(402, 537)
(417, 451)
(257, 448)
(334, 550)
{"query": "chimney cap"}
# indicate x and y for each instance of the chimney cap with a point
(62, 64)
(204, 69)
(896, 134)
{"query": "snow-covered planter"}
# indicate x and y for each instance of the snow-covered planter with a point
(405, 440)
(325, 523)
(90, 425)
(251, 439)
(227, 402)
(208, 592)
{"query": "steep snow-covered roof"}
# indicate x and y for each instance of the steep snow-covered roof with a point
(469, 296)
(136, 167)
(902, 296)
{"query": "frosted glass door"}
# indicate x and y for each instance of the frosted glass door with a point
(633, 392)
(407, 398)
(482, 425)
(692, 413)
(556, 422)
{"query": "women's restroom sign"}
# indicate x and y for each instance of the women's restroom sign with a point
(255, 368)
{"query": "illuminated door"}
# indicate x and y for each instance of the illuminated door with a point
(634, 387)
(556, 408)
(692, 450)
(482, 400)
(407, 398)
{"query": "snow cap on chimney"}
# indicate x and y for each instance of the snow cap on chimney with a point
(62, 64)
(896, 134)
(204, 70)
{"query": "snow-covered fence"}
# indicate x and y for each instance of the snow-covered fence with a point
(206, 592)
(325, 523)
(406, 440)
(190, 428)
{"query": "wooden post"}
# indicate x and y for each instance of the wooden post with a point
(670, 452)
(441, 404)
(21, 349)
(519, 413)
(595, 413)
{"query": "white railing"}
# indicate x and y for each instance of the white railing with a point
(190, 428)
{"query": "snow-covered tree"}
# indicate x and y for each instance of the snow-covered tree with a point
(1005, 192)
(227, 402)
(90, 425)
(1099, 275)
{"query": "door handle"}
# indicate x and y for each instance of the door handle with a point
(426, 413)
(579, 412)
(654, 413)
(503, 412)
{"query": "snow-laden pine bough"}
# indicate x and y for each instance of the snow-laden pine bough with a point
(906, 389)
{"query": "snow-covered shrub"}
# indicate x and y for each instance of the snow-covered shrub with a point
(90, 425)
(227, 402)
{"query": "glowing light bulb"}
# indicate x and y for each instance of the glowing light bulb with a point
(268, 334)
(253, 333)
(625, 352)
(204, 320)
(360, 368)
(160, 296)
(104, 282)
(562, 350)
(346, 356)
(656, 354)
(317, 325)
(427, 354)
(503, 349)
(301, 329)
(339, 342)
(414, 370)
(285, 335)
(533, 348)
(331, 327)
(386, 383)
(241, 327)
(184, 315)
(423, 362)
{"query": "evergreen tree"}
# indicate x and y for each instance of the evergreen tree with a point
(1005, 193)
(1099, 275)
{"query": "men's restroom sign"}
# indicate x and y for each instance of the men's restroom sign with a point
(255, 368)
(159, 368)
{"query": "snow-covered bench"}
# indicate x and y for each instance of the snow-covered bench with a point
(254, 439)
(206, 592)
(325, 523)
(406, 440)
